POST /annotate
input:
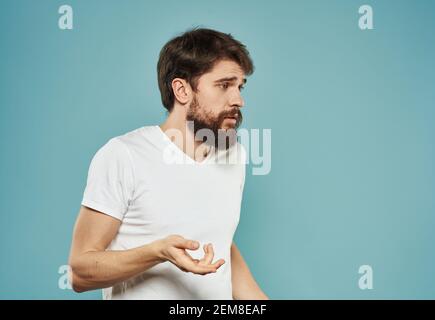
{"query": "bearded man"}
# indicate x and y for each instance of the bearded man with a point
(144, 218)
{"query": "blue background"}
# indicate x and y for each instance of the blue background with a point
(352, 116)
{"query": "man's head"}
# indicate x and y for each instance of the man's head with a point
(203, 72)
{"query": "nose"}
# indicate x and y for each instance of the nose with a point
(237, 100)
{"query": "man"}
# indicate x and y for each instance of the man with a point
(152, 199)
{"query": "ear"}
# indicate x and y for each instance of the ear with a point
(182, 90)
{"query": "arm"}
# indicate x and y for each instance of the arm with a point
(244, 285)
(92, 267)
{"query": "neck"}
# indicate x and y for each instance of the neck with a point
(176, 120)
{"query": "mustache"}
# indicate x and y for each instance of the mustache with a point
(237, 114)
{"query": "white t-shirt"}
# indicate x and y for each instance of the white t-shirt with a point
(131, 179)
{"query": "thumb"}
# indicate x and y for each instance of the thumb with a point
(189, 244)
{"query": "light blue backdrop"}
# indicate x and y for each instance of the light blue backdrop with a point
(352, 116)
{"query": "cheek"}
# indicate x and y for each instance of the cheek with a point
(213, 101)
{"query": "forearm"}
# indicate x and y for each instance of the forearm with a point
(244, 285)
(102, 269)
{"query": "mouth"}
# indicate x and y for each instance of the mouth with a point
(232, 120)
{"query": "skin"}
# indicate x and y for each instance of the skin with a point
(92, 267)
(214, 99)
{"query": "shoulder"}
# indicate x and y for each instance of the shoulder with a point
(133, 136)
(145, 138)
(119, 147)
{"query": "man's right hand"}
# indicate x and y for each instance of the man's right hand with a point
(173, 249)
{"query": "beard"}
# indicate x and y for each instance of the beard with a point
(223, 138)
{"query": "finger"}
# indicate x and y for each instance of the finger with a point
(218, 263)
(209, 268)
(203, 269)
(189, 265)
(205, 251)
(209, 253)
(196, 266)
(187, 244)
(186, 263)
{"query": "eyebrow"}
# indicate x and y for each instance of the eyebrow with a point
(229, 79)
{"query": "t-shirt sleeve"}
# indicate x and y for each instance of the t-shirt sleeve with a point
(110, 182)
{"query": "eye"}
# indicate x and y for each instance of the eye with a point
(241, 88)
(224, 85)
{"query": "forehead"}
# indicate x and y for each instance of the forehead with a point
(224, 69)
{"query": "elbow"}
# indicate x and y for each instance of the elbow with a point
(76, 281)
(77, 288)
(79, 285)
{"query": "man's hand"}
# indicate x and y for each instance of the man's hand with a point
(173, 249)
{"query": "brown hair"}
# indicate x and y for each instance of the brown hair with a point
(194, 53)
